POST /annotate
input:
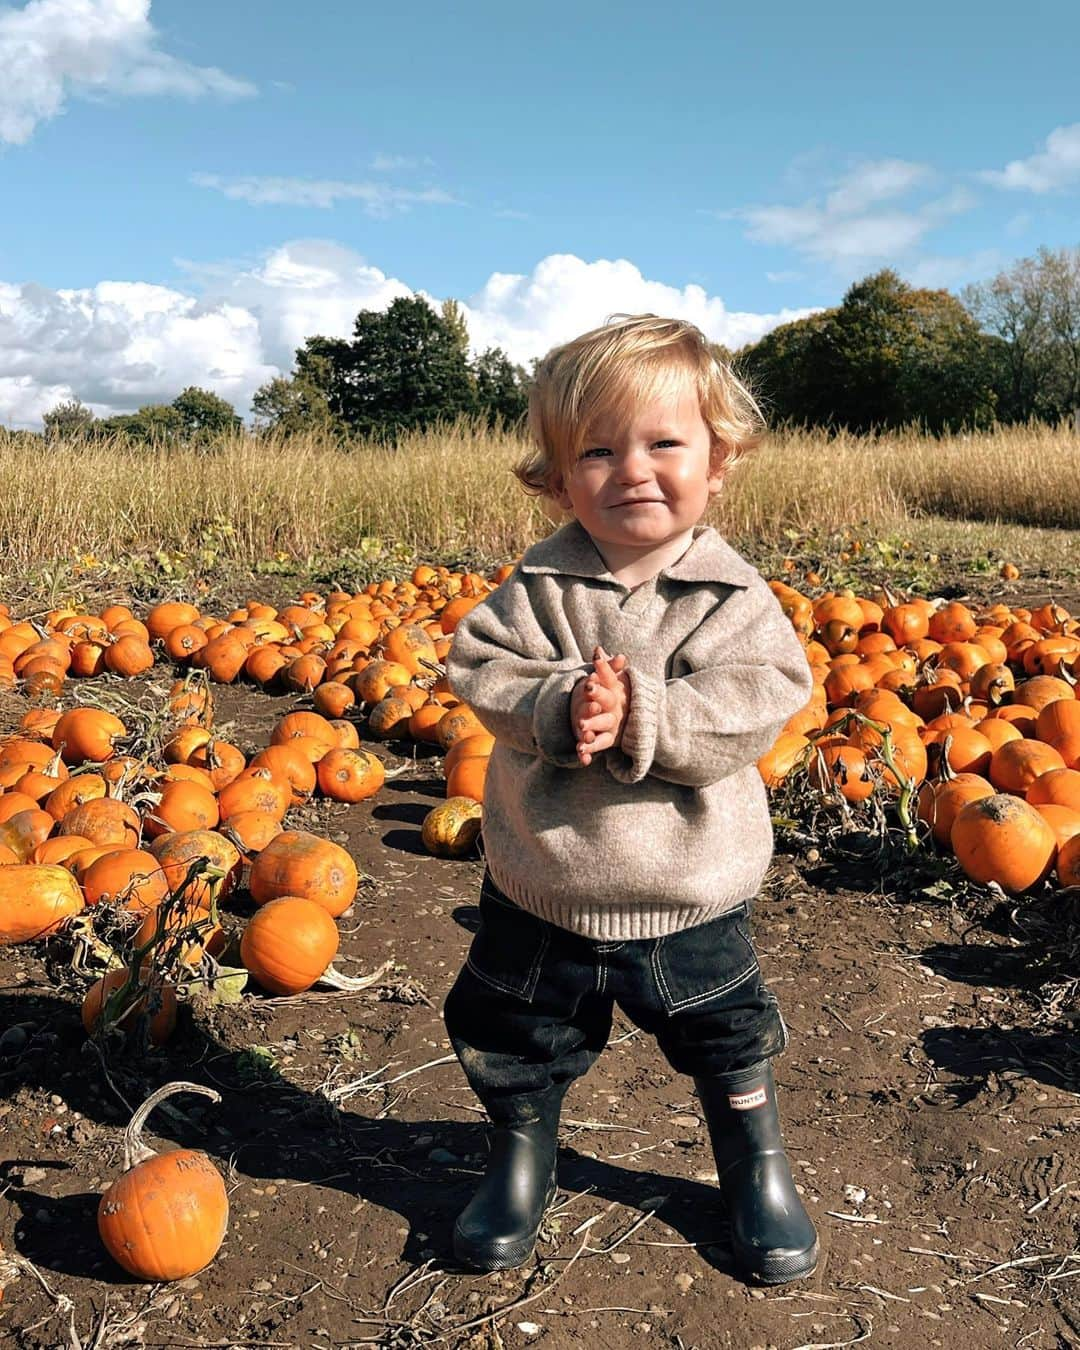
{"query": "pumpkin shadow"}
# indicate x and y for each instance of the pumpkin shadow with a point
(974, 1053)
(268, 1127)
(59, 1233)
(411, 813)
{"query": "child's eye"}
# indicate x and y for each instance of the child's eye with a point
(596, 450)
(667, 442)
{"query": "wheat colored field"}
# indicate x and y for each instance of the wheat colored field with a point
(449, 493)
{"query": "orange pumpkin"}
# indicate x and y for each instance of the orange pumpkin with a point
(35, 901)
(350, 775)
(1068, 863)
(288, 944)
(165, 1217)
(938, 803)
(1002, 839)
(179, 852)
(299, 863)
(257, 789)
(1056, 785)
(129, 656)
(183, 806)
(1015, 765)
(251, 831)
(1058, 724)
(104, 820)
(289, 763)
(311, 732)
(163, 618)
(84, 734)
(147, 996)
(1063, 820)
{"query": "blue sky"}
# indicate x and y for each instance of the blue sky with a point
(187, 188)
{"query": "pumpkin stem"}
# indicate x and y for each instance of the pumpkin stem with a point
(135, 1150)
(334, 979)
(945, 772)
(892, 598)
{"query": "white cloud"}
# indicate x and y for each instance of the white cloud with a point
(1056, 166)
(377, 198)
(875, 181)
(50, 48)
(858, 220)
(120, 344)
(564, 295)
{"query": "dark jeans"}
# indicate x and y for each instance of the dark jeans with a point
(531, 1008)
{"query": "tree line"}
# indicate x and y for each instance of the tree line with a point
(889, 355)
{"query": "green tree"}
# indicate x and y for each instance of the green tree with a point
(456, 326)
(887, 356)
(293, 405)
(404, 369)
(502, 388)
(154, 424)
(204, 416)
(67, 421)
(782, 369)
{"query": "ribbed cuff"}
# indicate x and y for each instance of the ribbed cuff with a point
(638, 745)
(551, 728)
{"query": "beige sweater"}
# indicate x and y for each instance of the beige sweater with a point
(672, 828)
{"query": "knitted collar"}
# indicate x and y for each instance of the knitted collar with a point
(571, 551)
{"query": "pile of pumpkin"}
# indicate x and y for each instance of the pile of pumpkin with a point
(376, 653)
(982, 719)
(174, 850)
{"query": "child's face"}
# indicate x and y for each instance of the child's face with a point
(641, 485)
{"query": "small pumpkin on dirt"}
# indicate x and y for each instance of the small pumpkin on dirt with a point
(165, 1217)
(451, 829)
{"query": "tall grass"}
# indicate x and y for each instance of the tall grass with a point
(449, 492)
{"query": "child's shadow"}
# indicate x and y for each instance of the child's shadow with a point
(426, 1170)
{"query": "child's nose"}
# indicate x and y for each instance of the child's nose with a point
(633, 466)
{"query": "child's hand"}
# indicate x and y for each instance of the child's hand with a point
(599, 704)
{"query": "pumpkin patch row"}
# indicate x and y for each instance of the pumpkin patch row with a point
(980, 715)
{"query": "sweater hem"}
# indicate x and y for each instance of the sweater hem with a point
(619, 921)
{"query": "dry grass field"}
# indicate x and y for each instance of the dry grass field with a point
(449, 494)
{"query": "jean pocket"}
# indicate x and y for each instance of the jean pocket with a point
(509, 947)
(699, 965)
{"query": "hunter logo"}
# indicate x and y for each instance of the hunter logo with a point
(746, 1101)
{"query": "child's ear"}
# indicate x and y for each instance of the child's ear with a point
(559, 494)
(717, 473)
(556, 506)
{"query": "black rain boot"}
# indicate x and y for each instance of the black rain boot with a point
(772, 1235)
(497, 1229)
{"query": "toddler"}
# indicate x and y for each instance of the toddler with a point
(626, 826)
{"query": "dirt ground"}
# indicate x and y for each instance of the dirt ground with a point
(931, 1110)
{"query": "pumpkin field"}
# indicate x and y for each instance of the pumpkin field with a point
(240, 856)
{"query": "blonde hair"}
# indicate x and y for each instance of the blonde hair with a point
(631, 361)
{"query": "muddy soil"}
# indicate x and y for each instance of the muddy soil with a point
(931, 1106)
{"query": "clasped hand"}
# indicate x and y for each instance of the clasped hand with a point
(599, 704)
